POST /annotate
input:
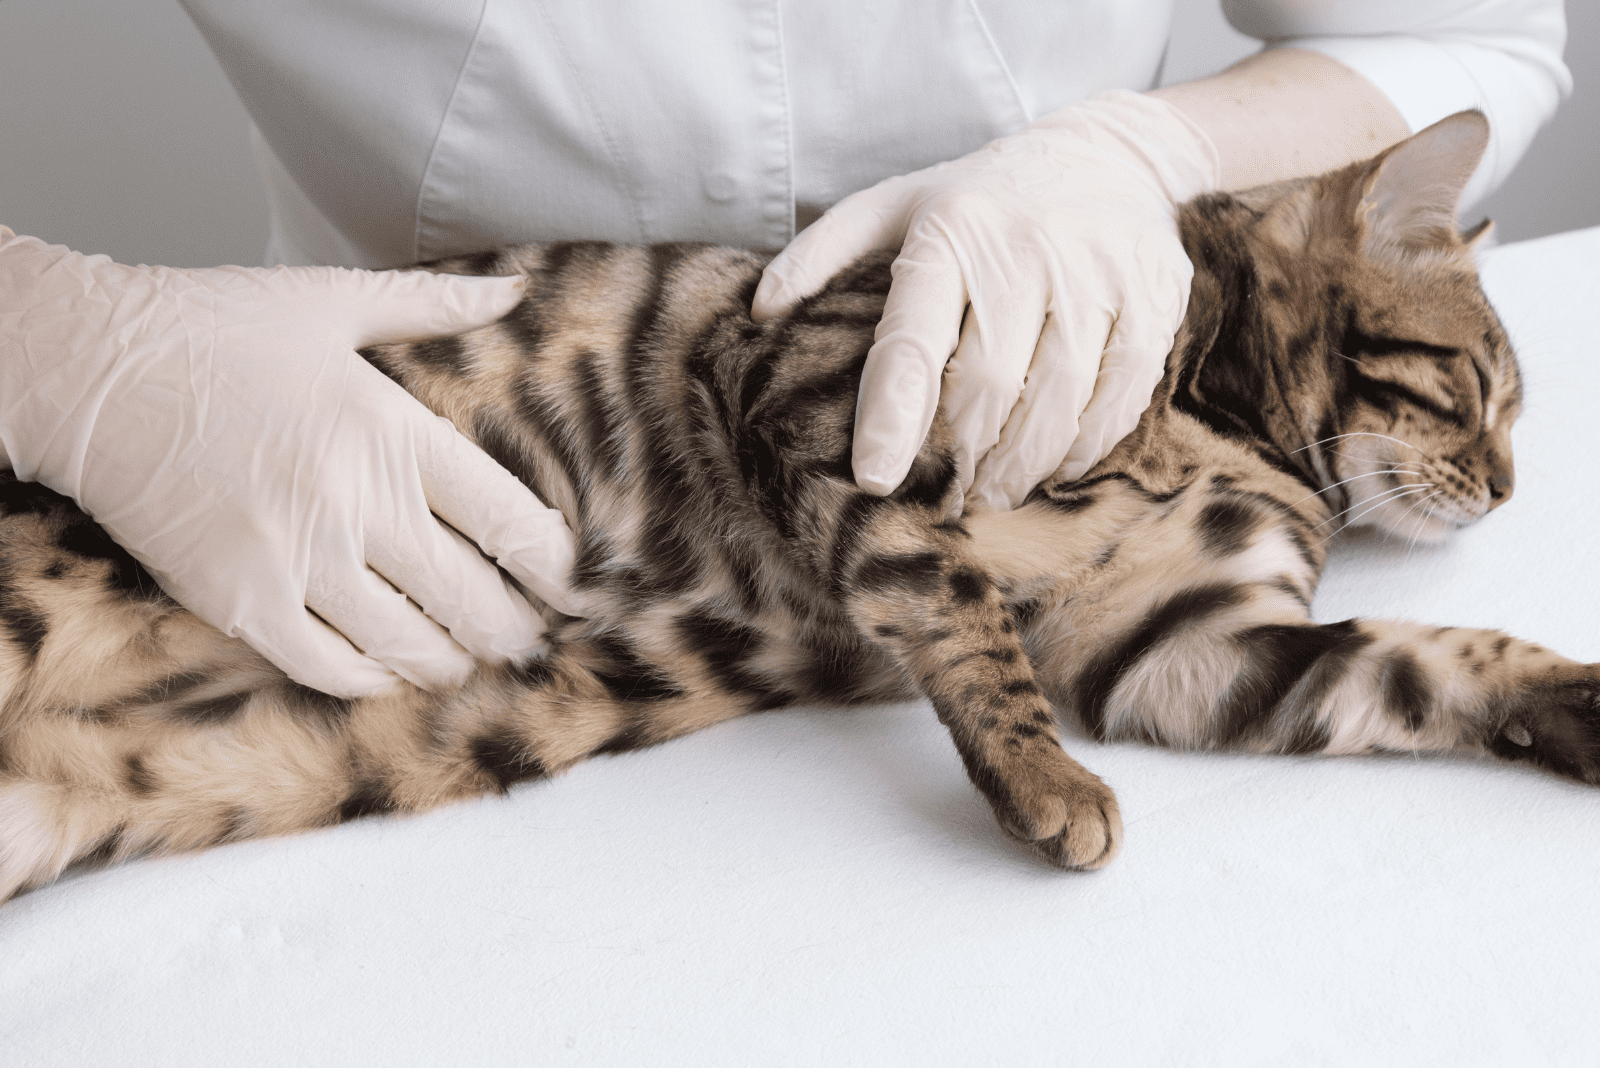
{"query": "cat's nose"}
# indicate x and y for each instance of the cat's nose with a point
(1501, 481)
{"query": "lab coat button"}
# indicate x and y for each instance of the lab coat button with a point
(721, 187)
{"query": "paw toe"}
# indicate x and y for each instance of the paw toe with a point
(1090, 839)
(1076, 825)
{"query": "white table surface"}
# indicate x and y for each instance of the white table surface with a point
(823, 887)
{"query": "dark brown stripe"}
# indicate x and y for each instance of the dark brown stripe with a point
(502, 754)
(1226, 525)
(912, 572)
(1405, 690)
(1096, 682)
(447, 354)
(1277, 657)
(629, 677)
(371, 797)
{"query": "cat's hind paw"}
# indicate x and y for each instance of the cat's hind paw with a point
(1555, 723)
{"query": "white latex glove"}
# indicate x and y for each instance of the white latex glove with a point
(1060, 243)
(219, 424)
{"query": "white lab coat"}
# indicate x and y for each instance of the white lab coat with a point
(391, 131)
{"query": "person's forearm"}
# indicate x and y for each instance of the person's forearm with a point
(1287, 113)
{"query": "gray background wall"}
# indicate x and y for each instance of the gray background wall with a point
(119, 134)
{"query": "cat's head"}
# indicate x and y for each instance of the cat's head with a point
(1402, 383)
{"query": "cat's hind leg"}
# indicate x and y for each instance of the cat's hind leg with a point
(194, 769)
(1239, 666)
(1417, 687)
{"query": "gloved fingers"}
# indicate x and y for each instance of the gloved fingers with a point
(372, 307)
(900, 381)
(455, 585)
(486, 503)
(985, 378)
(315, 655)
(257, 593)
(379, 621)
(399, 539)
(1044, 423)
(1134, 361)
(871, 219)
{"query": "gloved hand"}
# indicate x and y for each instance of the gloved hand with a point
(219, 424)
(1060, 244)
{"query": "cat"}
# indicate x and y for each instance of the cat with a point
(1338, 364)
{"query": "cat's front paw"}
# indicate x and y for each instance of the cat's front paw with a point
(1061, 809)
(1554, 723)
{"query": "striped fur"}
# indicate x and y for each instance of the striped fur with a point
(1334, 367)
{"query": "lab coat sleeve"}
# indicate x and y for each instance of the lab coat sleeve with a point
(1432, 58)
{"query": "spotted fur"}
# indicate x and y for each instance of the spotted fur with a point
(1338, 364)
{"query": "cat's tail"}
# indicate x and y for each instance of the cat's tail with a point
(282, 758)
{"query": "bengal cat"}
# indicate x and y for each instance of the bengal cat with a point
(1338, 364)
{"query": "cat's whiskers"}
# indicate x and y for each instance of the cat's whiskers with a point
(1319, 459)
(1402, 492)
(1394, 493)
(1358, 434)
(1328, 487)
(1416, 528)
(1358, 504)
(1399, 472)
(1392, 467)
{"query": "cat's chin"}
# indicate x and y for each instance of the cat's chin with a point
(1415, 526)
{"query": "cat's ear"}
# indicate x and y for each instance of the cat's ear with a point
(1479, 237)
(1412, 192)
